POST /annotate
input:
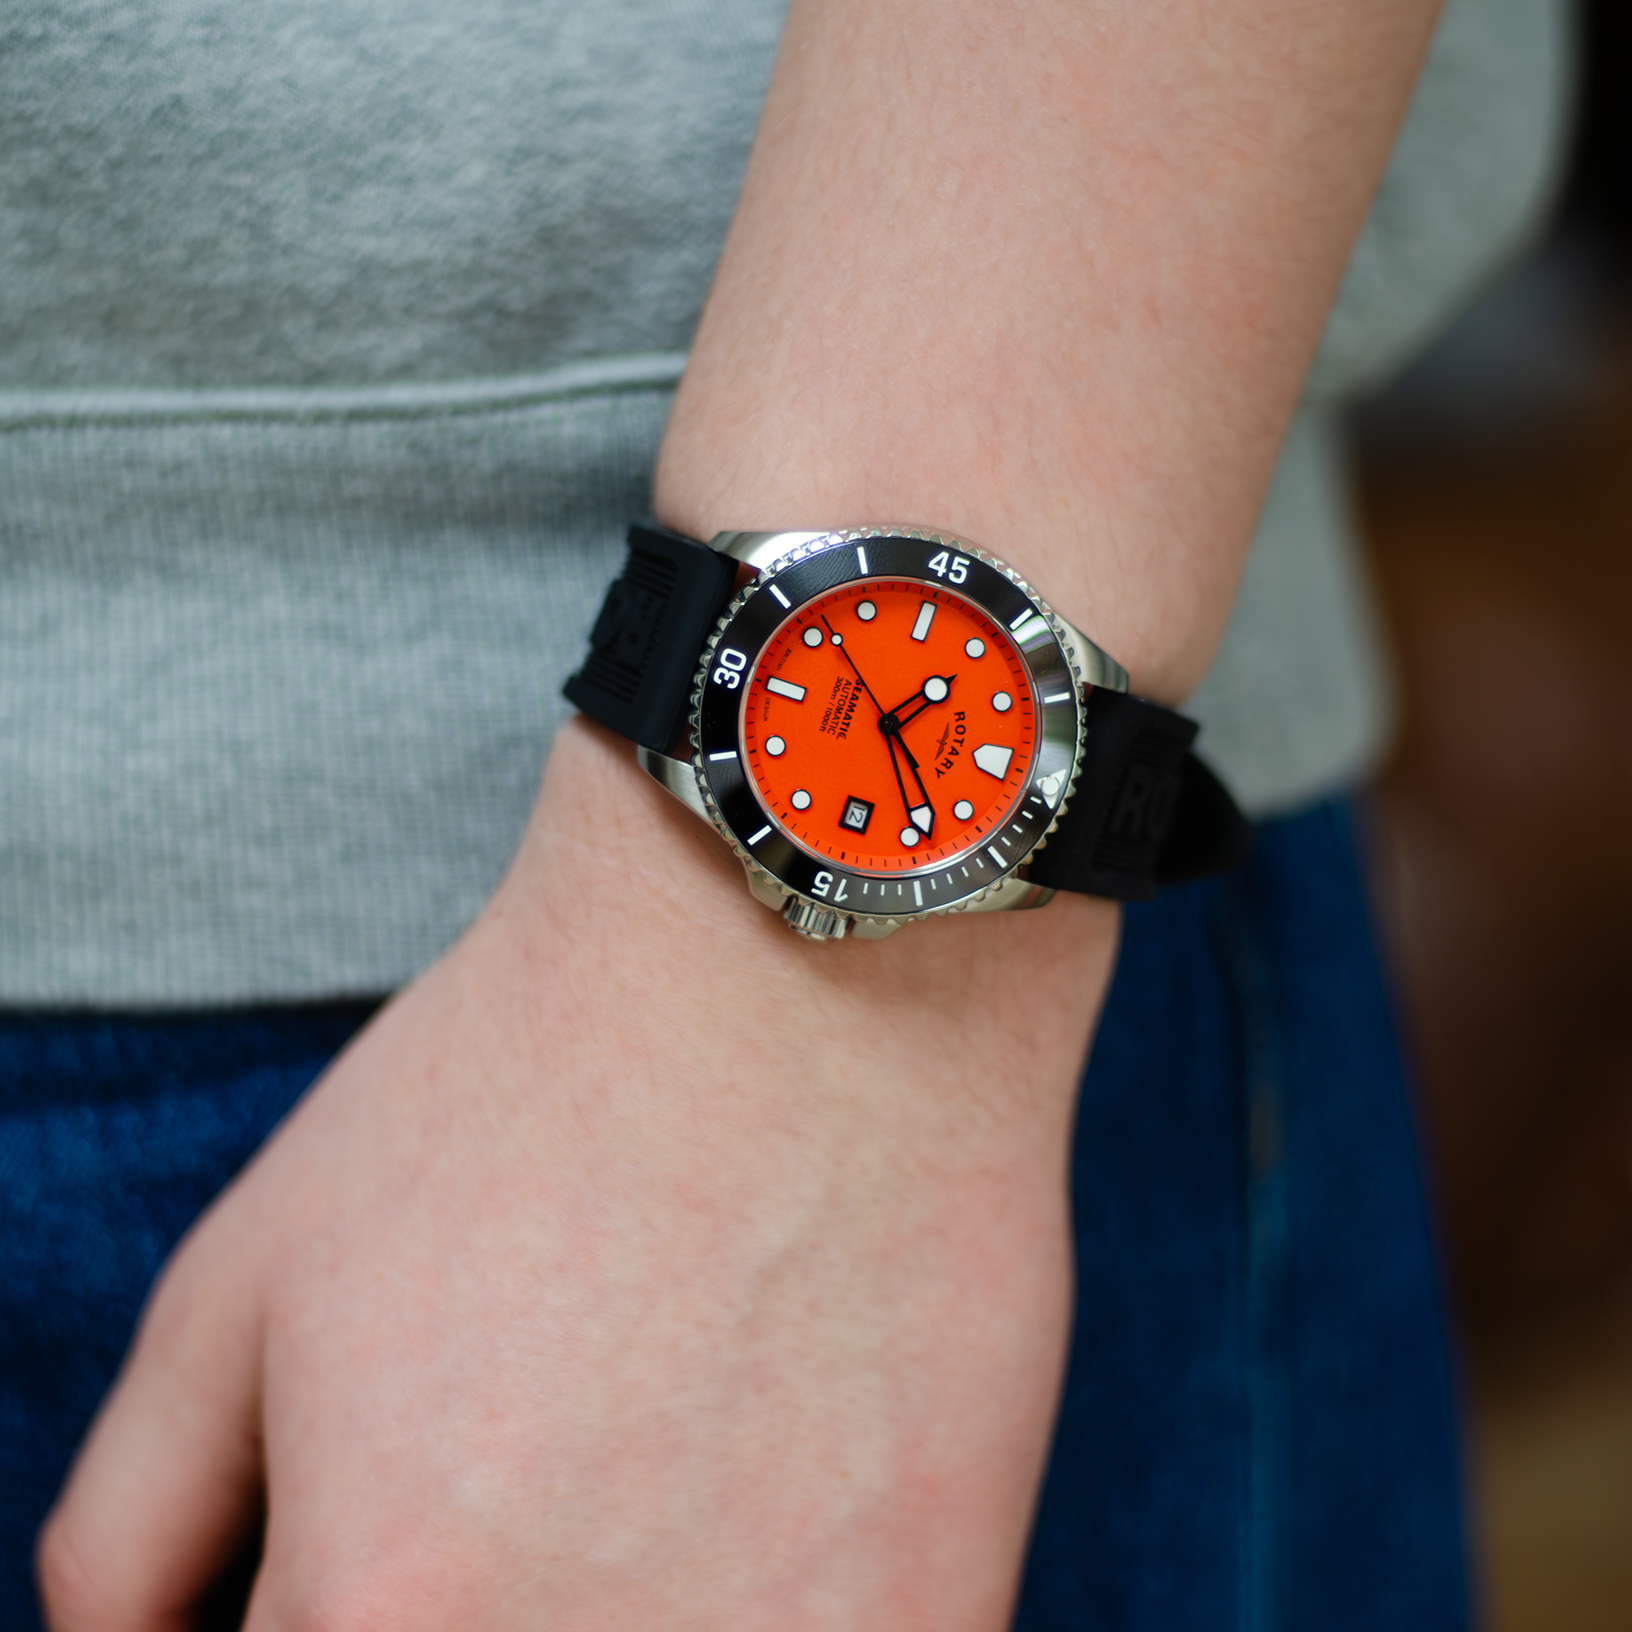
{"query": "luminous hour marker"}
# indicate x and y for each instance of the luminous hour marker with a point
(730, 753)
(909, 836)
(779, 595)
(963, 810)
(775, 747)
(800, 800)
(1020, 617)
(861, 557)
(813, 636)
(785, 688)
(1002, 702)
(935, 689)
(975, 647)
(993, 759)
(866, 611)
(926, 616)
(760, 834)
(1059, 697)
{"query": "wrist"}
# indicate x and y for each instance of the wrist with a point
(636, 891)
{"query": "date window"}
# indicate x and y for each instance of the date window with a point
(857, 814)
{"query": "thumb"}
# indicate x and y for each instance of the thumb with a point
(168, 1482)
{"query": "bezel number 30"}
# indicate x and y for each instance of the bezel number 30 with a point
(729, 672)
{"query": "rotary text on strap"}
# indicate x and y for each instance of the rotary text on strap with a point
(1146, 811)
(645, 643)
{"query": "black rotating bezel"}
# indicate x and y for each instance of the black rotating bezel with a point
(756, 616)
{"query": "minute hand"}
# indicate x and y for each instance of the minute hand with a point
(893, 742)
(923, 815)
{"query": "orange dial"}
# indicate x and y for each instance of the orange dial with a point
(889, 725)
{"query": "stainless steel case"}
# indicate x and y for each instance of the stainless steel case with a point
(819, 898)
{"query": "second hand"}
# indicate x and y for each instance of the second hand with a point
(844, 652)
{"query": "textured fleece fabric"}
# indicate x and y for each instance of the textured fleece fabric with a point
(336, 340)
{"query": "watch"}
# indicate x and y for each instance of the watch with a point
(888, 724)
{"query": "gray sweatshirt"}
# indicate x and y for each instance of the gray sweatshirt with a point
(336, 339)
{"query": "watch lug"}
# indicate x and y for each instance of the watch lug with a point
(1097, 667)
(765, 889)
(679, 779)
(677, 776)
(759, 550)
(1012, 894)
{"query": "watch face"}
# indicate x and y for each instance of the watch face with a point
(888, 723)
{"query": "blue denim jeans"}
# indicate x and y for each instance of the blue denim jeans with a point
(1258, 1430)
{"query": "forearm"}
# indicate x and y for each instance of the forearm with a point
(1046, 276)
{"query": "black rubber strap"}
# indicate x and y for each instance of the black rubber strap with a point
(1146, 811)
(646, 642)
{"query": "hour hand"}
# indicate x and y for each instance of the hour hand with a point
(936, 689)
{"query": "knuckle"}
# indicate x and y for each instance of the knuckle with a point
(167, 1317)
(185, 1306)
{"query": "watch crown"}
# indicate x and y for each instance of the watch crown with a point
(818, 923)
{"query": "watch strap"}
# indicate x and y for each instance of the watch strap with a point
(1146, 811)
(645, 644)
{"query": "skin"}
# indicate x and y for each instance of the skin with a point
(643, 1265)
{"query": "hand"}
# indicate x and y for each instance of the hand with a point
(642, 1266)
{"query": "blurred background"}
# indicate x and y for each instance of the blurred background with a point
(1497, 492)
